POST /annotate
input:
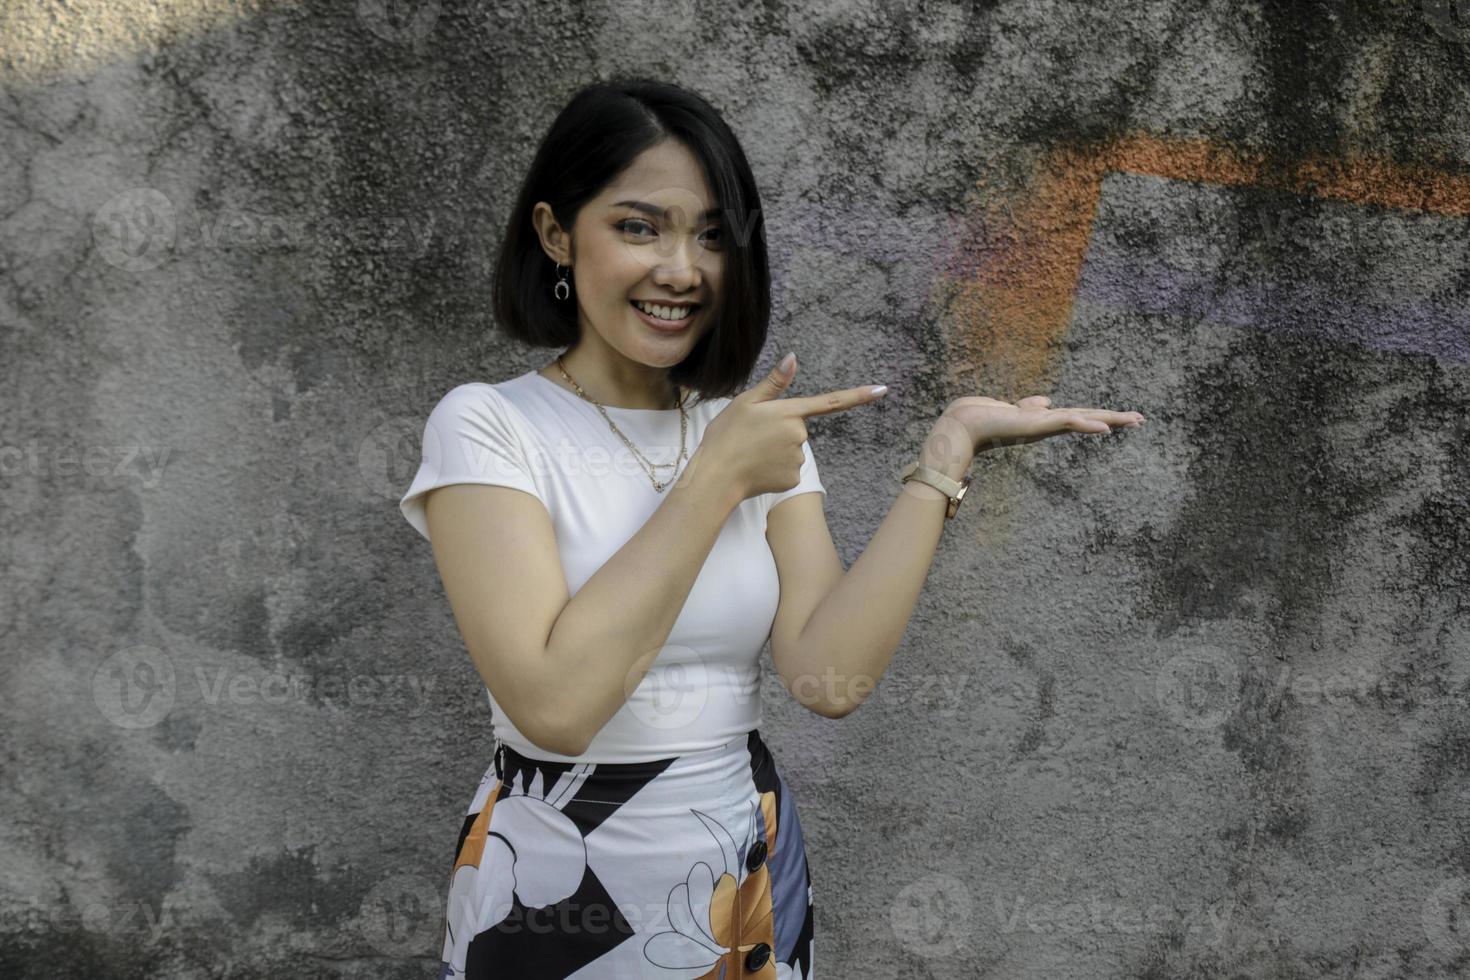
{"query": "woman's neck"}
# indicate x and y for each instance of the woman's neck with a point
(651, 391)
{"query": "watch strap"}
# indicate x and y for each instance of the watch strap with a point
(950, 487)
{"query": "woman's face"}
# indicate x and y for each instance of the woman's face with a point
(647, 236)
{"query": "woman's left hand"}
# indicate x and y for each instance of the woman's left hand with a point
(989, 423)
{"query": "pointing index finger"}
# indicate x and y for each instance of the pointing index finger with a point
(834, 401)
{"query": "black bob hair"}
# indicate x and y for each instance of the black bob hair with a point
(599, 133)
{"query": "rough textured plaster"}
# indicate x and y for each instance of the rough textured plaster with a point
(1185, 702)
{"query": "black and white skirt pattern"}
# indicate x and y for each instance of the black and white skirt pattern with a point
(688, 867)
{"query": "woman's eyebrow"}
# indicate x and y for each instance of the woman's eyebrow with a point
(653, 209)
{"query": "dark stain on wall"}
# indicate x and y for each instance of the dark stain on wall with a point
(1271, 496)
(1304, 57)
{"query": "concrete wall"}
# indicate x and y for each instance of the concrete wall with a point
(1188, 701)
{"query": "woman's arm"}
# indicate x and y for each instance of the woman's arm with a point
(831, 659)
(561, 666)
(835, 634)
(609, 634)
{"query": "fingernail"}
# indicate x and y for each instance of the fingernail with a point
(879, 389)
(786, 362)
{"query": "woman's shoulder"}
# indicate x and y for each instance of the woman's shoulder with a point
(476, 405)
(515, 391)
(471, 395)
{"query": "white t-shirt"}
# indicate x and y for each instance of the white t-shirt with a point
(532, 434)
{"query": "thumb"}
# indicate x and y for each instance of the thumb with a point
(773, 384)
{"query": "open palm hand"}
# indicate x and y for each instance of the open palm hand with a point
(978, 423)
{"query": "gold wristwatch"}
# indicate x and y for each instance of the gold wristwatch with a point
(953, 489)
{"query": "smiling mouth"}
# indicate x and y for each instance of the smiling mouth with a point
(659, 322)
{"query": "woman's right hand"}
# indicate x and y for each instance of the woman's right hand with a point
(756, 439)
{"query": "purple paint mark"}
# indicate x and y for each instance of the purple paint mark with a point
(1148, 285)
(1377, 278)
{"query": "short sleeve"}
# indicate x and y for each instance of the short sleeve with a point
(469, 438)
(808, 482)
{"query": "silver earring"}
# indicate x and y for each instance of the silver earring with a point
(562, 289)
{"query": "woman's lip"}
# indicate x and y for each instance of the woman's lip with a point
(664, 326)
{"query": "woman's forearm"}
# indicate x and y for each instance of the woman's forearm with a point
(853, 633)
(609, 633)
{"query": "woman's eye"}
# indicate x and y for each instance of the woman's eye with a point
(627, 226)
(634, 226)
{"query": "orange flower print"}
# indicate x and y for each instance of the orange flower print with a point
(710, 915)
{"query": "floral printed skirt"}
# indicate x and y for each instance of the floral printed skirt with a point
(687, 867)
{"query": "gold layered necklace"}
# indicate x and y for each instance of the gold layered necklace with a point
(648, 467)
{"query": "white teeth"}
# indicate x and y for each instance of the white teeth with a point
(664, 312)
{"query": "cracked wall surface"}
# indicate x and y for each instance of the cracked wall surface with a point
(1188, 701)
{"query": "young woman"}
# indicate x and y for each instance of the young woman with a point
(621, 530)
